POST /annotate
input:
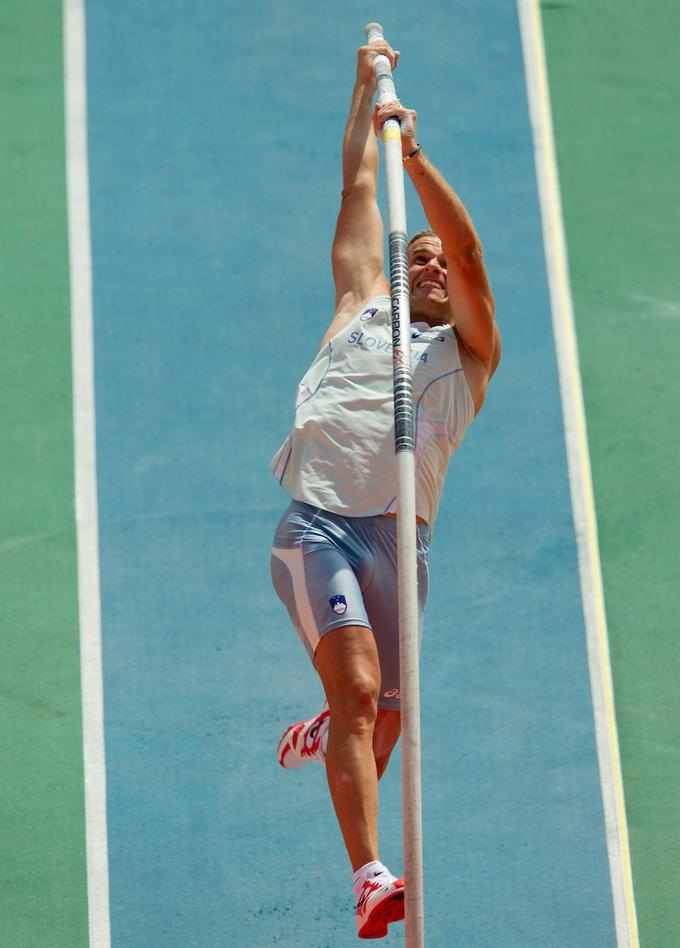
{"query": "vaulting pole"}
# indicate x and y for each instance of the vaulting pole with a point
(404, 430)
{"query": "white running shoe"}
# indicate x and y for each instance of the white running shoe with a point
(380, 903)
(301, 742)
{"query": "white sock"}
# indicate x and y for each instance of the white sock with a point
(371, 870)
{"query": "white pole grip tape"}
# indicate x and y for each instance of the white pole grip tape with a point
(381, 66)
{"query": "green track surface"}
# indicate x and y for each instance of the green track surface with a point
(42, 845)
(615, 88)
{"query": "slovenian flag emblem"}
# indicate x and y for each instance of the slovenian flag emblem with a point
(338, 604)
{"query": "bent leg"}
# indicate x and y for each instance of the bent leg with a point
(347, 662)
(385, 736)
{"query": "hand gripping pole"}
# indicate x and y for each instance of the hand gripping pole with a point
(404, 430)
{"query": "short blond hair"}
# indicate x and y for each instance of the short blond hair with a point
(421, 233)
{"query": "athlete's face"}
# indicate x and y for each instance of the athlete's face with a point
(427, 279)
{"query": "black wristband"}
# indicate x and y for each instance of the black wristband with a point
(412, 153)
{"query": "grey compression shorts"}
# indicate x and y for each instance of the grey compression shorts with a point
(332, 571)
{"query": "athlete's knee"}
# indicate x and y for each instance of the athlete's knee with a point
(347, 661)
(354, 702)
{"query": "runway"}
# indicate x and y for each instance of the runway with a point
(212, 183)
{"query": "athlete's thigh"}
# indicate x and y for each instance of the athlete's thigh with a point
(381, 599)
(314, 578)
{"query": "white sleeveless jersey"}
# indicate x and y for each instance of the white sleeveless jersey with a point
(340, 454)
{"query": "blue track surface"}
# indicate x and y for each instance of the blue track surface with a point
(215, 178)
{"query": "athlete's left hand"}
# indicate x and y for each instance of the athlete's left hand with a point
(407, 120)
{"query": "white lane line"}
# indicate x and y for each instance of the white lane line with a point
(580, 476)
(87, 526)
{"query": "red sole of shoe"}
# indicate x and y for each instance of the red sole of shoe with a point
(391, 910)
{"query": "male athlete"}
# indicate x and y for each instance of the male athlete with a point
(334, 554)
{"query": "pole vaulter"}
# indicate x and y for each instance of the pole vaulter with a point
(350, 553)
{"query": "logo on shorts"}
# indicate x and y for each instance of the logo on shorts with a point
(368, 314)
(338, 605)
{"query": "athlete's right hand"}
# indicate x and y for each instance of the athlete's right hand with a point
(366, 55)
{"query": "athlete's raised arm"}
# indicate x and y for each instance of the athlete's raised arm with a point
(357, 256)
(467, 283)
